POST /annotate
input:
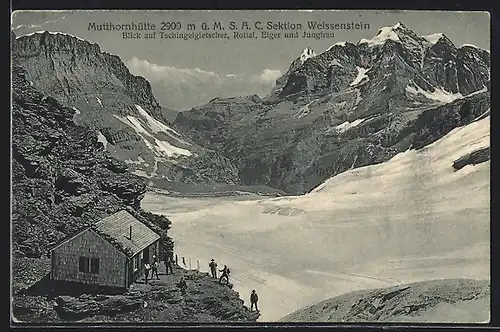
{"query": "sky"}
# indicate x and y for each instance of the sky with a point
(187, 73)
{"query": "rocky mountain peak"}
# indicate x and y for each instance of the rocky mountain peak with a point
(105, 96)
(439, 41)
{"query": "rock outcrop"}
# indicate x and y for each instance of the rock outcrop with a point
(350, 106)
(473, 158)
(160, 301)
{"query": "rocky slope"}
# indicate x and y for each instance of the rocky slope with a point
(62, 181)
(159, 301)
(447, 300)
(350, 106)
(106, 97)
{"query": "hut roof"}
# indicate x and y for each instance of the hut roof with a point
(116, 230)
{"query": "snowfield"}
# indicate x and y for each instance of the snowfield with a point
(412, 218)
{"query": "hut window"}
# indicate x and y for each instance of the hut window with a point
(87, 264)
(83, 264)
(94, 265)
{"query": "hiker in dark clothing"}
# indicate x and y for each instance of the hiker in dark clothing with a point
(225, 274)
(213, 268)
(168, 264)
(184, 261)
(147, 268)
(182, 285)
(154, 268)
(176, 260)
(254, 298)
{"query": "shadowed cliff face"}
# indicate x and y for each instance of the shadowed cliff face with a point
(120, 106)
(62, 178)
(350, 106)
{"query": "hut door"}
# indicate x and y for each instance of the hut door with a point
(145, 255)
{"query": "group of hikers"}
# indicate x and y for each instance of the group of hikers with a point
(168, 260)
(225, 271)
(153, 267)
(254, 298)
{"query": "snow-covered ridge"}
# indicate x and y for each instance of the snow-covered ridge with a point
(474, 46)
(433, 38)
(383, 35)
(51, 32)
(342, 43)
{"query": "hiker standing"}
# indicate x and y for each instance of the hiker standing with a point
(182, 285)
(184, 261)
(168, 264)
(213, 268)
(225, 274)
(176, 260)
(147, 267)
(154, 268)
(254, 298)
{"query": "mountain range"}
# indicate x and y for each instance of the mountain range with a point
(349, 106)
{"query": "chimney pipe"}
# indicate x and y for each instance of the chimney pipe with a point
(130, 236)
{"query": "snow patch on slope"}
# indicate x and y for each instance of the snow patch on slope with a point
(160, 148)
(343, 43)
(101, 138)
(155, 125)
(303, 111)
(50, 32)
(441, 154)
(348, 125)
(439, 94)
(336, 62)
(361, 76)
